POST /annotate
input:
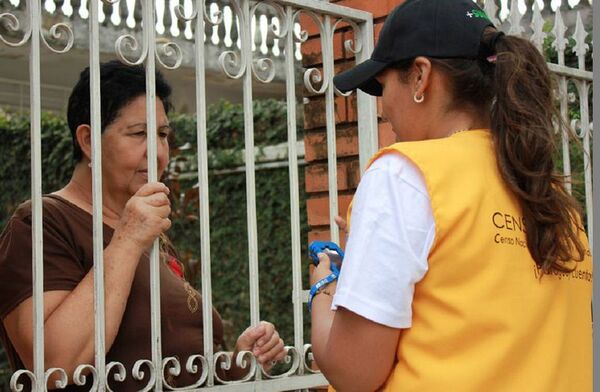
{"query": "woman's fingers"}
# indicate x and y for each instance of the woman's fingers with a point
(166, 224)
(151, 188)
(273, 354)
(146, 216)
(320, 271)
(158, 199)
(282, 353)
(324, 261)
(163, 211)
(276, 353)
(247, 340)
(269, 347)
(266, 343)
(268, 332)
(341, 222)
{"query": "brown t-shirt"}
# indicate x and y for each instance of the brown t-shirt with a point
(68, 257)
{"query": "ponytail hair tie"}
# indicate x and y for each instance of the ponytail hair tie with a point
(487, 50)
(494, 40)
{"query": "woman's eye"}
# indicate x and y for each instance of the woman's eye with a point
(163, 134)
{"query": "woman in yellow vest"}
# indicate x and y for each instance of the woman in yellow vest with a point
(466, 268)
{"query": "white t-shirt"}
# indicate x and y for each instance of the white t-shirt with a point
(392, 231)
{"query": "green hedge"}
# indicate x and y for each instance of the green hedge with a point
(15, 168)
(227, 206)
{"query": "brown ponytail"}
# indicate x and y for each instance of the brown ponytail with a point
(518, 87)
(523, 117)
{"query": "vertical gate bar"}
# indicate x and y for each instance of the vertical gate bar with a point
(583, 89)
(328, 68)
(98, 244)
(564, 113)
(560, 44)
(149, 32)
(36, 195)
(247, 40)
(203, 190)
(245, 27)
(294, 184)
(368, 142)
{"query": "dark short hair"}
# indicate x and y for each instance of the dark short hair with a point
(119, 85)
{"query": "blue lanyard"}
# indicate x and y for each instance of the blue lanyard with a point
(314, 249)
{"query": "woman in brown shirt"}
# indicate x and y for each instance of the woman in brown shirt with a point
(135, 213)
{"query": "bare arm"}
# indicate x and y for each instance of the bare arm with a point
(144, 218)
(354, 353)
(73, 311)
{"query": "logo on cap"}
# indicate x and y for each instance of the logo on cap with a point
(478, 14)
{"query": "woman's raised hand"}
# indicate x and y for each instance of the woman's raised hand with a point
(146, 216)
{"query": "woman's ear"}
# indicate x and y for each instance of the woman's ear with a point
(83, 135)
(422, 75)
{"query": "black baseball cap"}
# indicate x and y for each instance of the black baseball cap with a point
(431, 28)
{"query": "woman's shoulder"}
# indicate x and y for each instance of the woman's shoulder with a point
(393, 161)
(54, 210)
(396, 166)
(64, 251)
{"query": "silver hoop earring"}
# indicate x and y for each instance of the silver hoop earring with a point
(90, 165)
(419, 99)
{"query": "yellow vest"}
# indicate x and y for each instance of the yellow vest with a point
(483, 319)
